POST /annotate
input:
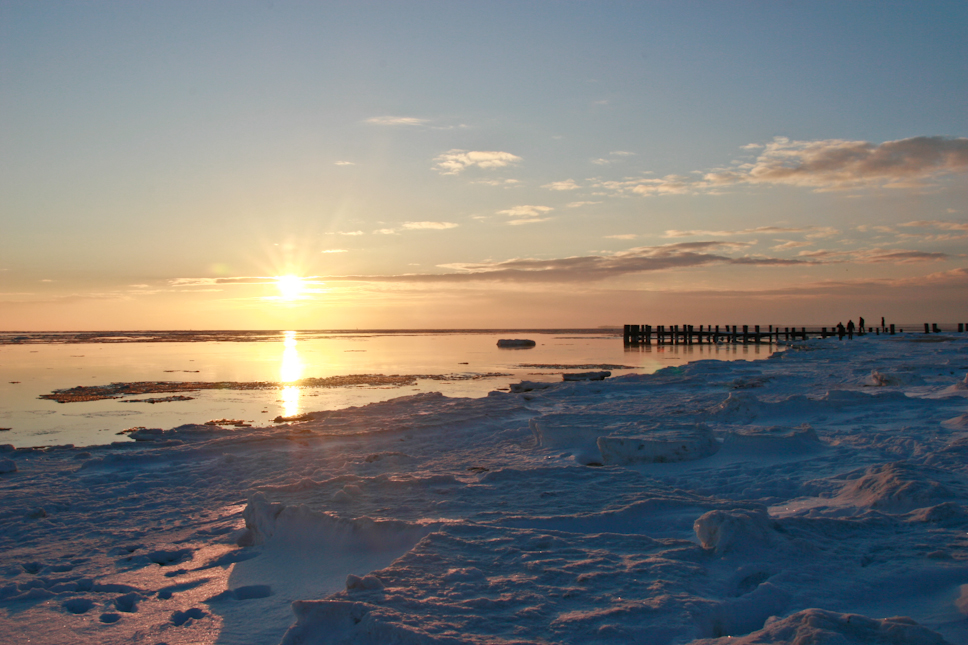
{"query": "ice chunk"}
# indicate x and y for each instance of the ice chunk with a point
(585, 376)
(366, 583)
(661, 446)
(515, 343)
(265, 521)
(528, 386)
(735, 530)
(774, 440)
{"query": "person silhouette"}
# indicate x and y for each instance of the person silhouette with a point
(860, 325)
(840, 330)
(850, 329)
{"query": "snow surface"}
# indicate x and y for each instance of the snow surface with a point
(818, 496)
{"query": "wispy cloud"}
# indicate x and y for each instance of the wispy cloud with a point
(810, 231)
(875, 256)
(593, 267)
(568, 184)
(351, 233)
(824, 165)
(526, 214)
(526, 210)
(579, 204)
(344, 163)
(668, 185)
(208, 282)
(334, 251)
(622, 236)
(836, 164)
(938, 224)
(429, 225)
(790, 245)
(416, 226)
(507, 183)
(533, 220)
(396, 120)
(455, 161)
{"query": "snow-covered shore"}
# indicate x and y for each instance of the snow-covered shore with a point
(818, 494)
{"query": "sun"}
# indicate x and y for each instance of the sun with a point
(291, 287)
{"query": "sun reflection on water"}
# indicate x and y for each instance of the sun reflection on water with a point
(290, 370)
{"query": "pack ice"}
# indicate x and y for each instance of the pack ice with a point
(818, 496)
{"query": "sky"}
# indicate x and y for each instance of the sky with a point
(388, 165)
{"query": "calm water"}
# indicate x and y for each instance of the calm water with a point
(29, 370)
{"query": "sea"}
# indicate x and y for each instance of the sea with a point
(454, 363)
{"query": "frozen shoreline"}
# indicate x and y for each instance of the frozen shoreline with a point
(836, 484)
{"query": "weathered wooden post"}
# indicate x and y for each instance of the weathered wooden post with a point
(892, 329)
(746, 334)
(926, 330)
(934, 328)
(961, 327)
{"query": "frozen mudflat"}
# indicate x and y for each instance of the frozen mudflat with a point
(818, 496)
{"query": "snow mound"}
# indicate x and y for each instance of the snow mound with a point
(300, 525)
(887, 378)
(743, 406)
(662, 446)
(611, 439)
(738, 405)
(946, 514)
(959, 422)
(956, 389)
(735, 530)
(320, 622)
(894, 488)
(7, 466)
(821, 627)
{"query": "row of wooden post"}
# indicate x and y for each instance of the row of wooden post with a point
(689, 335)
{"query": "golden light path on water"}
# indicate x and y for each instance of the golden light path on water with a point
(290, 370)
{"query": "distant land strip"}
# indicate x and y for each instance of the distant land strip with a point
(250, 336)
(83, 393)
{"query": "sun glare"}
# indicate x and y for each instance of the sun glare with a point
(290, 286)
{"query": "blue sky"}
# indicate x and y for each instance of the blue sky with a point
(458, 164)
